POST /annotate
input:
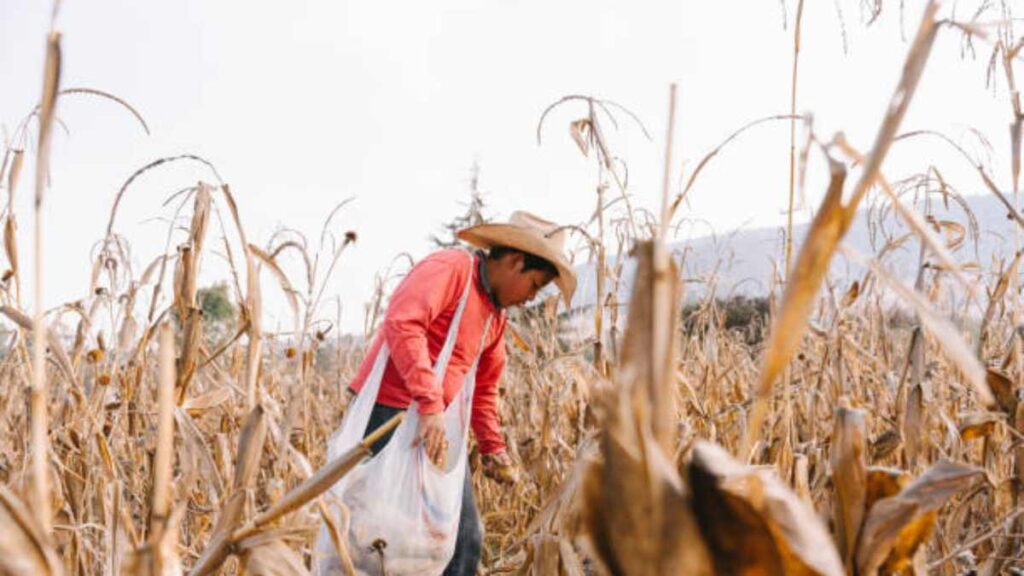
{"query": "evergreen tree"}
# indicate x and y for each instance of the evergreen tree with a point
(473, 215)
(219, 314)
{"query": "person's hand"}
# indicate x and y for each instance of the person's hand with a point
(431, 434)
(500, 468)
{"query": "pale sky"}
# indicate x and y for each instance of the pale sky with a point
(303, 104)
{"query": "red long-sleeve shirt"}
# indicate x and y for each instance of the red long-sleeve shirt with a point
(415, 328)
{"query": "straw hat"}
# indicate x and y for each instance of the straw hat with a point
(532, 234)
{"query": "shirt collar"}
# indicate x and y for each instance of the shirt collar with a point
(484, 281)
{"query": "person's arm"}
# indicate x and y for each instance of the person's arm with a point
(497, 464)
(484, 419)
(432, 286)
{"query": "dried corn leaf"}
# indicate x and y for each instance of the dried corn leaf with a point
(200, 217)
(184, 276)
(977, 425)
(152, 268)
(849, 477)
(196, 452)
(1004, 279)
(851, 294)
(517, 338)
(896, 526)
(954, 232)
(829, 225)
(47, 112)
(752, 522)
(550, 554)
(914, 420)
(250, 448)
(11, 242)
(994, 299)
(1015, 130)
(217, 549)
(282, 279)
(253, 307)
(126, 335)
(196, 405)
(580, 132)
(1002, 388)
(882, 483)
(13, 174)
(23, 545)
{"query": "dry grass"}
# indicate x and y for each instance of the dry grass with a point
(841, 441)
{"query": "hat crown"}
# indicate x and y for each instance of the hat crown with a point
(550, 231)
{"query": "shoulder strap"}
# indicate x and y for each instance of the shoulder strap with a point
(441, 364)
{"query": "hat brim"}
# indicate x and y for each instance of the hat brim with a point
(487, 236)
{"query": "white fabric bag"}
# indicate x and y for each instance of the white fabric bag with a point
(398, 497)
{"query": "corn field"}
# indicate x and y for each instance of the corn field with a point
(865, 425)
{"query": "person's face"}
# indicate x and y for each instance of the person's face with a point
(512, 286)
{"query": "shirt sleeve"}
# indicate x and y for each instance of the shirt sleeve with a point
(431, 287)
(484, 420)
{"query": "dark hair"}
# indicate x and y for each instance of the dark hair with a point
(530, 261)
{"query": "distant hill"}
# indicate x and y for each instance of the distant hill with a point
(744, 261)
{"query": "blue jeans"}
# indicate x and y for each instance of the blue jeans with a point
(469, 541)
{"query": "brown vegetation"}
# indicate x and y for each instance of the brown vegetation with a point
(850, 437)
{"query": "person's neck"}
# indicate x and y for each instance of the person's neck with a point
(488, 271)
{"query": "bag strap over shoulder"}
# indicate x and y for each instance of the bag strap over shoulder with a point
(469, 278)
(441, 364)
